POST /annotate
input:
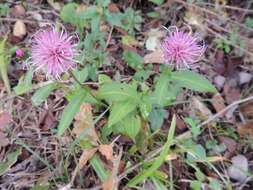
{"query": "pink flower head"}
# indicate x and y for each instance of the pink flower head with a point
(182, 49)
(53, 52)
(19, 52)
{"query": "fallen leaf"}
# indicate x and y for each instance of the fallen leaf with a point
(181, 126)
(218, 103)
(229, 143)
(19, 29)
(245, 129)
(239, 168)
(47, 121)
(219, 81)
(106, 150)
(154, 57)
(18, 10)
(112, 182)
(232, 93)
(194, 19)
(4, 141)
(200, 108)
(85, 157)
(153, 41)
(5, 119)
(218, 62)
(84, 126)
(56, 5)
(247, 110)
(244, 77)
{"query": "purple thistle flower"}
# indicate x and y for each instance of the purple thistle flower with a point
(53, 52)
(182, 49)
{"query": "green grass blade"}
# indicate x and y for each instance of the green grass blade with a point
(159, 160)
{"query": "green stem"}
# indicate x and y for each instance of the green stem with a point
(88, 89)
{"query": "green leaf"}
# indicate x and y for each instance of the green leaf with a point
(133, 59)
(81, 75)
(193, 81)
(70, 111)
(10, 160)
(102, 78)
(164, 92)
(114, 18)
(156, 118)
(41, 95)
(196, 152)
(24, 83)
(132, 125)
(4, 62)
(145, 107)
(119, 110)
(195, 185)
(158, 2)
(68, 13)
(117, 92)
(159, 160)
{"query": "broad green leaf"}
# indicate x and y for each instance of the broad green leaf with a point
(4, 62)
(102, 78)
(196, 152)
(41, 95)
(10, 160)
(81, 75)
(133, 59)
(132, 125)
(145, 107)
(158, 2)
(114, 18)
(164, 92)
(193, 81)
(24, 83)
(159, 160)
(70, 111)
(68, 13)
(156, 118)
(119, 110)
(117, 92)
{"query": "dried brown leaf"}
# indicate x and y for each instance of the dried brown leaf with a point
(84, 125)
(5, 119)
(112, 182)
(107, 151)
(18, 10)
(245, 129)
(154, 57)
(4, 141)
(19, 29)
(56, 5)
(218, 103)
(200, 108)
(85, 157)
